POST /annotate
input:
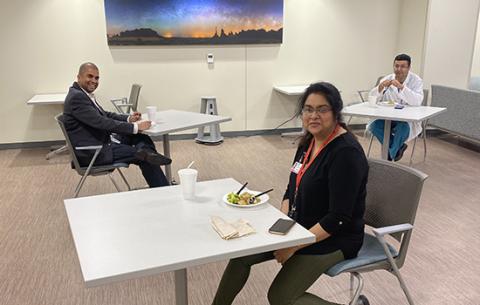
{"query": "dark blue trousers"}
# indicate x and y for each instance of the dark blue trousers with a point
(125, 153)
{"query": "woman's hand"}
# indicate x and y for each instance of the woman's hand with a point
(283, 255)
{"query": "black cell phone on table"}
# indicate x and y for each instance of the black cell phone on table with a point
(281, 226)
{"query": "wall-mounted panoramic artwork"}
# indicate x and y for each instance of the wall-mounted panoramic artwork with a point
(193, 22)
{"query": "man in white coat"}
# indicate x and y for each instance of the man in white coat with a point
(402, 87)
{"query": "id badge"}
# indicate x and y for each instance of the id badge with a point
(296, 167)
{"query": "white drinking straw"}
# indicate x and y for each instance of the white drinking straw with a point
(190, 165)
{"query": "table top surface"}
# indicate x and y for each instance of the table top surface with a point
(46, 99)
(169, 121)
(407, 114)
(291, 90)
(138, 233)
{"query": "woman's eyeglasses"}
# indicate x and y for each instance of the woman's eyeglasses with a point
(320, 110)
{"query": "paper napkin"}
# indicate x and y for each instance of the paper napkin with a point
(227, 230)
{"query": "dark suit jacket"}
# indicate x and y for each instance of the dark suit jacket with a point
(87, 125)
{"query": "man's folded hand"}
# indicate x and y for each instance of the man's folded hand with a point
(134, 117)
(144, 125)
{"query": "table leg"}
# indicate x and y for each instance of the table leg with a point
(386, 139)
(166, 153)
(56, 152)
(181, 297)
(293, 133)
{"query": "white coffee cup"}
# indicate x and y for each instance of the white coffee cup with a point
(151, 112)
(188, 179)
(372, 100)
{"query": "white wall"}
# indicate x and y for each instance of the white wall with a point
(411, 32)
(450, 39)
(476, 53)
(346, 42)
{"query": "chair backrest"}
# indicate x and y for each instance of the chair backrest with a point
(474, 83)
(134, 93)
(393, 194)
(60, 118)
(364, 93)
(425, 97)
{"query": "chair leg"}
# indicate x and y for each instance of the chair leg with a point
(349, 119)
(124, 179)
(424, 126)
(352, 282)
(396, 272)
(79, 185)
(85, 175)
(413, 150)
(370, 145)
(359, 287)
(114, 183)
(424, 144)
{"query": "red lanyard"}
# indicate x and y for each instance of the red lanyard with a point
(304, 167)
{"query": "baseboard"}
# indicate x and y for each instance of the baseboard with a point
(39, 144)
(232, 134)
(249, 133)
(226, 134)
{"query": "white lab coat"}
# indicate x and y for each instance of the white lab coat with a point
(411, 94)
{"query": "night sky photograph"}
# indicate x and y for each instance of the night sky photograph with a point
(168, 22)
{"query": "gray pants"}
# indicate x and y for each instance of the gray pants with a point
(288, 288)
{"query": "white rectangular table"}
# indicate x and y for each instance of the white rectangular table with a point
(389, 114)
(169, 121)
(294, 90)
(49, 99)
(291, 90)
(133, 234)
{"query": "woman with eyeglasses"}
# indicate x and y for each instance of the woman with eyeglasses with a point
(325, 194)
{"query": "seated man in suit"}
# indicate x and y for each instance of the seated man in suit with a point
(402, 87)
(87, 124)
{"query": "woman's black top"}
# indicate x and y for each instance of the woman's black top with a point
(332, 193)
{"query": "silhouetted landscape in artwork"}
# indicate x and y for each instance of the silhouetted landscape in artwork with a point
(147, 36)
(194, 22)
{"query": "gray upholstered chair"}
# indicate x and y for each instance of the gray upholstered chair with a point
(424, 131)
(423, 134)
(393, 194)
(474, 83)
(90, 170)
(126, 106)
(363, 94)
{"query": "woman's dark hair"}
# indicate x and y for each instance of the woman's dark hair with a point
(332, 95)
